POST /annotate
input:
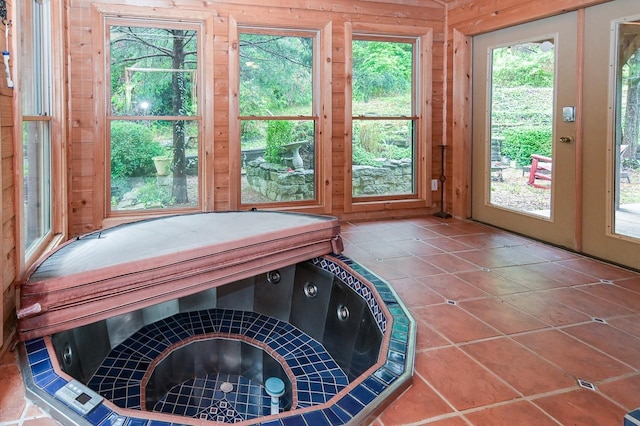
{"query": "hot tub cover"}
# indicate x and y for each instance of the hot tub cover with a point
(131, 266)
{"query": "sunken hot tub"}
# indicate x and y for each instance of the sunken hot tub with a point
(192, 319)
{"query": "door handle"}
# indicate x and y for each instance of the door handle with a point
(566, 139)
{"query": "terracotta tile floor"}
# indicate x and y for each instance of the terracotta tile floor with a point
(506, 327)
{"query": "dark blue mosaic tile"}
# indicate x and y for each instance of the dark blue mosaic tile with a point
(44, 379)
(158, 423)
(316, 418)
(136, 422)
(38, 356)
(333, 417)
(362, 394)
(43, 366)
(374, 385)
(338, 413)
(294, 421)
(52, 387)
(350, 405)
(98, 415)
(35, 345)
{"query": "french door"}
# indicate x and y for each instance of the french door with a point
(611, 171)
(556, 152)
(524, 129)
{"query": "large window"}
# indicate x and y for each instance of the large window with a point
(153, 116)
(278, 117)
(35, 75)
(384, 117)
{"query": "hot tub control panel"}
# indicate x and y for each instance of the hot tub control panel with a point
(78, 396)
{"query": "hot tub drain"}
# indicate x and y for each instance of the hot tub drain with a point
(226, 387)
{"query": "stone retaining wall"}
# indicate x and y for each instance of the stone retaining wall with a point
(279, 183)
(393, 177)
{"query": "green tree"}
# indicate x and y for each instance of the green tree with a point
(525, 64)
(381, 68)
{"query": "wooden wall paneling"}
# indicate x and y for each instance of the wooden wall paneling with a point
(234, 106)
(324, 187)
(9, 192)
(211, 41)
(347, 112)
(95, 82)
(460, 125)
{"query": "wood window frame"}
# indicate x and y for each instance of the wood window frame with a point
(56, 118)
(422, 98)
(321, 109)
(103, 17)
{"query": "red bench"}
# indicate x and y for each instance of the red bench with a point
(541, 168)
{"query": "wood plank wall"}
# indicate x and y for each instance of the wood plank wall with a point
(85, 203)
(466, 18)
(8, 184)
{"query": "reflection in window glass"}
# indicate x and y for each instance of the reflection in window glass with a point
(277, 119)
(36, 126)
(522, 93)
(627, 154)
(384, 122)
(153, 119)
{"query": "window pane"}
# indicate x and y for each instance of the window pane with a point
(35, 49)
(37, 181)
(153, 71)
(627, 159)
(382, 78)
(383, 157)
(278, 160)
(154, 164)
(522, 99)
(36, 74)
(383, 150)
(276, 75)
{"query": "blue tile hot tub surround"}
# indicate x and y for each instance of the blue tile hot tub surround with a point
(315, 377)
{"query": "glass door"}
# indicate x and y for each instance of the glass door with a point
(611, 174)
(524, 99)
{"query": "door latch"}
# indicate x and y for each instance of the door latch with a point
(566, 139)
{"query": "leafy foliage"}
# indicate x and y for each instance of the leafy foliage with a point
(520, 143)
(276, 74)
(381, 68)
(153, 195)
(525, 64)
(279, 132)
(132, 150)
